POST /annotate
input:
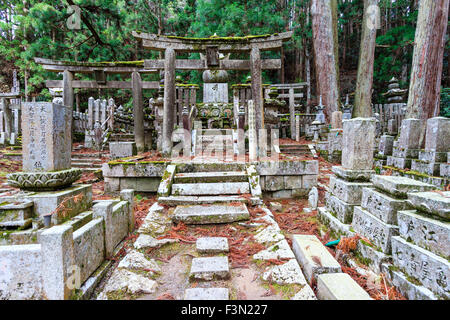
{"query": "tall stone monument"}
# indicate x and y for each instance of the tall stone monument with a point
(47, 145)
(215, 87)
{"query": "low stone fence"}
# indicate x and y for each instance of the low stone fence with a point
(278, 178)
(69, 259)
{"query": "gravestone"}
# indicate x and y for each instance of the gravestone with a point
(336, 120)
(357, 144)
(252, 140)
(47, 145)
(215, 87)
(408, 145)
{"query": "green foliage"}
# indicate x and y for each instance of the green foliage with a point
(445, 102)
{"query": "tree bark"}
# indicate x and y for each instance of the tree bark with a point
(364, 82)
(324, 53)
(426, 73)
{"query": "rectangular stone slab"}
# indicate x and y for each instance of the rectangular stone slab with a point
(339, 286)
(187, 189)
(378, 232)
(202, 177)
(331, 221)
(210, 268)
(352, 175)
(432, 202)
(349, 192)
(357, 143)
(186, 200)
(400, 186)
(425, 232)
(313, 256)
(212, 245)
(206, 294)
(381, 205)
(429, 269)
(215, 213)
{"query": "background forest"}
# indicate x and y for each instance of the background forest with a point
(34, 28)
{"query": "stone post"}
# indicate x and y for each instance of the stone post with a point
(262, 143)
(169, 100)
(292, 116)
(96, 111)
(297, 128)
(90, 113)
(111, 107)
(103, 105)
(104, 210)
(257, 96)
(138, 111)
(128, 195)
(68, 89)
(17, 121)
(58, 262)
(236, 106)
(8, 118)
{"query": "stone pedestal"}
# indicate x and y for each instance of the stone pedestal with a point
(408, 145)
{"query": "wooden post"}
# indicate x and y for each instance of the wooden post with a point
(257, 97)
(138, 111)
(292, 113)
(169, 100)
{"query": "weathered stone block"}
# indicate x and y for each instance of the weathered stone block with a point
(210, 268)
(386, 145)
(431, 169)
(410, 134)
(212, 245)
(292, 182)
(400, 152)
(378, 232)
(425, 232)
(381, 205)
(432, 202)
(430, 270)
(309, 181)
(207, 214)
(206, 294)
(349, 192)
(352, 175)
(57, 261)
(342, 210)
(122, 149)
(438, 134)
(274, 183)
(432, 156)
(400, 186)
(357, 143)
(165, 186)
(89, 248)
(401, 163)
(339, 286)
(331, 221)
(46, 136)
(20, 272)
(444, 170)
(312, 256)
(15, 214)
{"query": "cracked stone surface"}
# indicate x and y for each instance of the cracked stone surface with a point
(287, 273)
(280, 250)
(155, 223)
(147, 241)
(137, 260)
(127, 281)
(269, 234)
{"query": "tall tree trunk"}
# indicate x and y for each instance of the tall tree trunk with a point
(426, 73)
(334, 15)
(363, 95)
(325, 60)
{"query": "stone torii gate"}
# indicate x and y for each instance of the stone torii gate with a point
(211, 47)
(100, 71)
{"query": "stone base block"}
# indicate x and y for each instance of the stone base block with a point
(432, 203)
(342, 210)
(349, 192)
(206, 294)
(425, 232)
(405, 153)
(122, 149)
(372, 257)
(381, 205)
(352, 175)
(432, 156)
(401, 163)
(408, 289)
(399, 186)
(333, 223)
(430, 168)
(378, 232)
(15, 214)
(444, 170)
(428, 269)
(210, 268)
(42, 181)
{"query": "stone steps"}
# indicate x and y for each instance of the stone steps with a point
(207, 214)
(339, 286)
(191, 189)
(188, 200)
(209, 268)
(206, 177)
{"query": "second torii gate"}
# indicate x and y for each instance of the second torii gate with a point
(210, 47)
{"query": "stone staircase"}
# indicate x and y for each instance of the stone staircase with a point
(86, 161)
(212, 187)
(295, 149)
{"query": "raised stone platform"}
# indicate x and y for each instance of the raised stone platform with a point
(349, 192)
(210, 177)
(433, 202)
(342, 210)
(381, 205)
(187, 189)
(206, 214)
